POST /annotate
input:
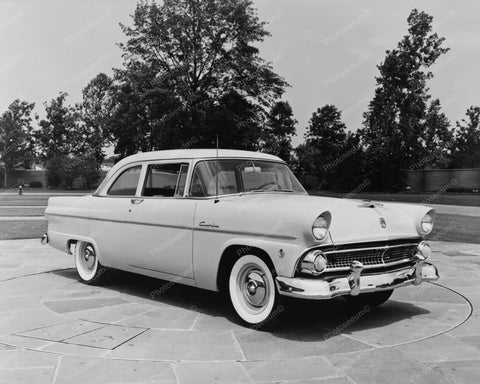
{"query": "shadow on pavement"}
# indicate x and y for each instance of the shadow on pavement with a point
(303, 320)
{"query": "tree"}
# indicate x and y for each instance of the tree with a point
(394, 132)
(16, 137)
(438, 139)
(69, 146)
(97, 104)
(326, 133)
(334, 152)
(278, 132)
(466, 152)
(190, 67)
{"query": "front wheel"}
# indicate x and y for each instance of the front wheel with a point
(253, 294)
(88, 266)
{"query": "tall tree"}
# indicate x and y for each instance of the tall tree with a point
(329, 146)
(97, 104)
(466, 152)
(279, 130)
(394, 132)
(16, 143)
(69, 147)
(185, 64)
(438, 137)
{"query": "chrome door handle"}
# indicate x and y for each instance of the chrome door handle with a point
(136, 201)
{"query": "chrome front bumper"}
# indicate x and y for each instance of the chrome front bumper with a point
(356, 283)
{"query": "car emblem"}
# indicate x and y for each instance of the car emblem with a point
(383, 223)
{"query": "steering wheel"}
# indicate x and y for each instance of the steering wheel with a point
(264, 186)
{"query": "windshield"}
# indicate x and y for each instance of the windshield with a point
(235, 176)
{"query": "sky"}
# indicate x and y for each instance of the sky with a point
(327, 50)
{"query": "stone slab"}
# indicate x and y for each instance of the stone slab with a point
(108, 337)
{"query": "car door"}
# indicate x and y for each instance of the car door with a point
(163, 235)
(111, 213)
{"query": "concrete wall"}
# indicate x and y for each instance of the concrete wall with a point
(466, 179)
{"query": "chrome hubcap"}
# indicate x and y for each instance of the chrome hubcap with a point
(88, 257)
(255, 288)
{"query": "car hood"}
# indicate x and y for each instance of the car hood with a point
(352, 220)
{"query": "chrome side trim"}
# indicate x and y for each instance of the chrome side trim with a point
(119, 221)
(245, 233)
(208, 229)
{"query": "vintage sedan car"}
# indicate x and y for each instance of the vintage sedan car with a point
(240, 222)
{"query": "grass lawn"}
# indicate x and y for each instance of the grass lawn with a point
(22, 229)
(471, 200)
(7, 211)
(463, 229)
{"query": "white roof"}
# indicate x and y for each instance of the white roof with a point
(194, 154)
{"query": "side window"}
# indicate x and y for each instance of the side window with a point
(165, 180)
(126, 183)
(204, 181)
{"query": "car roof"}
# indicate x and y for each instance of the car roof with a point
(208, 153)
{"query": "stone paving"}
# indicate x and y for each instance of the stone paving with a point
(54, 329)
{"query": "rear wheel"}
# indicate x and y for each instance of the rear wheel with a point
(253, 293)
(372, 299)
(88, 266)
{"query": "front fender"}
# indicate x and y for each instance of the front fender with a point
(206, 271)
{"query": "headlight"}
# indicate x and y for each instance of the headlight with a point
(320, 226)
(426, 225)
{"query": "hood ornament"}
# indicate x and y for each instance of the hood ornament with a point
(370, 204)
(383, 223)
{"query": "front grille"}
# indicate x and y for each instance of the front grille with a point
(370, 257)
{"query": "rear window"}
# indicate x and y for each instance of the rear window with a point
(126, 184)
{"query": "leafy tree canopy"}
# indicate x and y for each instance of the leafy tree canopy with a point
(69, 144)
(467, 140)
(192, 71)
(396, 124)
(16, 142)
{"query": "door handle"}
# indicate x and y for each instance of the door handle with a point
(136, 201)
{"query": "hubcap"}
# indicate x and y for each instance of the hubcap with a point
(89, 257)
(255, 288)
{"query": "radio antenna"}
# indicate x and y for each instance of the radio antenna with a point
(216, 177)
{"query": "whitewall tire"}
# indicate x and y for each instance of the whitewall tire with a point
(253, 293)
(88, 266)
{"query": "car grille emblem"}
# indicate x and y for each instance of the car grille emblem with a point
(383, 223)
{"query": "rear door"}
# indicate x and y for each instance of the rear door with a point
(110, 216)
(164, 218)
